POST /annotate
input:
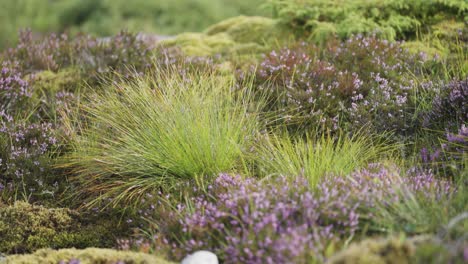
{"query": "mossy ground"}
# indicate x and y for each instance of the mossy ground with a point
(240, 35)
(84, 256)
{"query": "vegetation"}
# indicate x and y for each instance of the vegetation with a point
(196, 123)
(331, 132)
(105, 17)
(316, 158)
(25, 228)
(85, 256)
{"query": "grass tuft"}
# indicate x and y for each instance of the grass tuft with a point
(151, 133)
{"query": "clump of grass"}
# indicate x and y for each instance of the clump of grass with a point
(154, 132)
(313, 157)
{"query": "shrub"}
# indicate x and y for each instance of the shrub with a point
(451, 157)
(415, 202)
(345, 85)
(316, 157)
(25, 228)
(123, 53)
(278, 221)
(449, 109)
(84, 256)
(153, 132)
(392, 19)
(26, 141)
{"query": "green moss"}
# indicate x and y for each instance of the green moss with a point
(416, 47)
(199, 44)
(52, 82)
(25, 228)
(234, 36)
(380, 251)
(448, 29)
(85, 256)
(244, 29)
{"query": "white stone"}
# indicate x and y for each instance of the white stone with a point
(201, 257)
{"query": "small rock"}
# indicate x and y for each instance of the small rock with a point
(201, 257)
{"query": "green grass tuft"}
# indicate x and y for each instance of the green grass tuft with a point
(316, 156)
(155, 132)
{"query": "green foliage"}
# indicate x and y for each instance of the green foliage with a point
(25, 228)
(420, 213)
(316, 156)
(108, 17)
(240, 35)
(392, 250)
(84, 256)
(154, 132)
(391, 19)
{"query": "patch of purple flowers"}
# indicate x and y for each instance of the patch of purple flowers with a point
(452, 153)
(449, 107)
(345, 85)
(24, 142)
(279, 221)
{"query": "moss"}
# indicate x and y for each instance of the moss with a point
(234, 36)
(66, 79)
(380, 251)
(416, 47)
(25, 228)
(199, 44)
(85, 256)
(244, 29)
(448, 30)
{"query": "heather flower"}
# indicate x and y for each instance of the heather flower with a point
(449, 108)
(345, 85)
(279, 221)
(450, 157)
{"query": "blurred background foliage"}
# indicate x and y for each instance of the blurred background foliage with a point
(108, 17)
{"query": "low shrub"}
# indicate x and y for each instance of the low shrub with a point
(344, 85)
(450, 157)
(154, 132)
(449, 109)
(123, 53)
(27, 139)
(278, 221)
(392, 19)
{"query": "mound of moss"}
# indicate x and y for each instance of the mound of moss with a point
(84, 256)
(238, 35)
(25, 228)
(392, 250)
